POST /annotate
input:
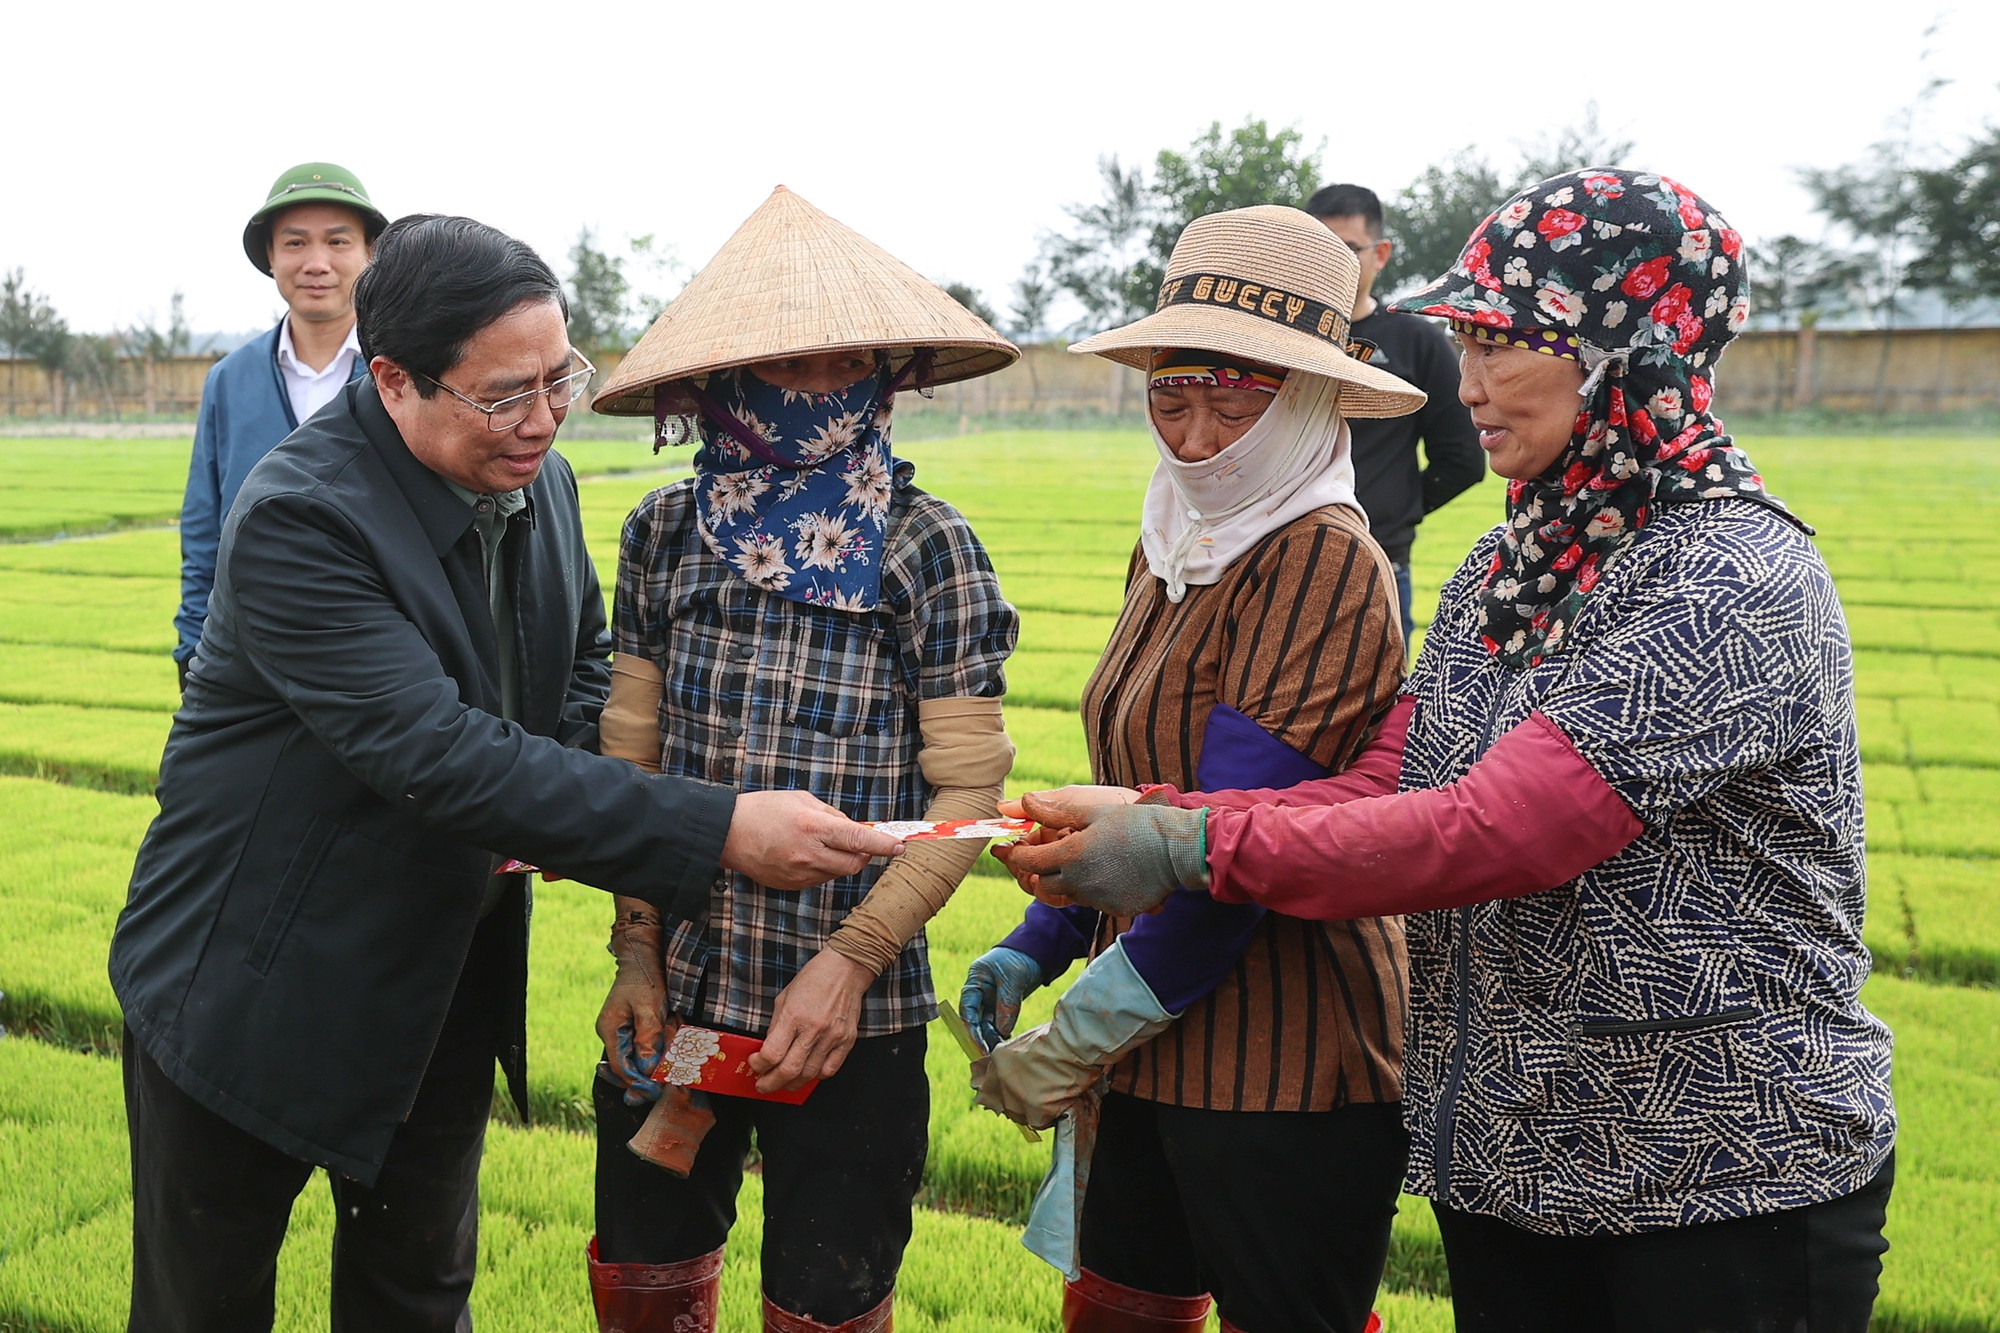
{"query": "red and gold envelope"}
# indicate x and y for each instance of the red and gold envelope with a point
(719, 1062)
(909, 830)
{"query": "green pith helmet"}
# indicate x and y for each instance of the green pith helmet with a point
(309, 183)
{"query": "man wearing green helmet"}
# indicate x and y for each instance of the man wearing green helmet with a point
(313, 237)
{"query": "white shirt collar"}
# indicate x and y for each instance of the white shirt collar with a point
(343, 359)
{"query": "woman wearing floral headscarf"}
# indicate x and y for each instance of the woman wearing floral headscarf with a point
(1622, 793)
(797, 615)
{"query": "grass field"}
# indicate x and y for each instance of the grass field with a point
(86, 689)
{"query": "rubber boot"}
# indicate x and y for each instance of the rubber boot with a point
(1094, 1304)
(1374, 1325)
(878, 1320)
(656, 1298)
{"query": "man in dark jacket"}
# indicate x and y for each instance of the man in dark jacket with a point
(396, 691)
(312, 237)
(1394, 489)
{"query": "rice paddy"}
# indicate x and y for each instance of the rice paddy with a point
(86, 690)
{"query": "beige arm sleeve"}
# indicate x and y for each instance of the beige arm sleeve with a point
(966, 756)
(630, 725)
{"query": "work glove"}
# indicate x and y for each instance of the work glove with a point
(995, 985)
(634, 1024)
(1108, 1012)
(1121, 859)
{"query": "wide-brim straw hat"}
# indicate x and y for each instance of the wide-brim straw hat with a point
(1268, 283)
(793, 281)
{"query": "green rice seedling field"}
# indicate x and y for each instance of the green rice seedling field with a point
(87, 688)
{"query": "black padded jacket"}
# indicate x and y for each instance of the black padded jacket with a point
(338, 783)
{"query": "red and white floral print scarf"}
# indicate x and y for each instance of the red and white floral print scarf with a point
(1634, 276)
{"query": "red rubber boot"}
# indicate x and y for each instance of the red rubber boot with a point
(656, 1298)
(1094, 1304)
(1374, 1325)
(881, 1319)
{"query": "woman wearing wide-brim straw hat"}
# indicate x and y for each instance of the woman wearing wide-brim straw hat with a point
(796, 615)
(1621, 802)
(1248, 1144)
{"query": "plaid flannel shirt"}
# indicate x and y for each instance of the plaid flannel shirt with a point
(763, 693)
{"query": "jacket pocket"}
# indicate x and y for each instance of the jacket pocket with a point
(299, 874)
(842, 682)
(1686, 1023)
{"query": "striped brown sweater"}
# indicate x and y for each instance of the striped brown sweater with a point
(1302, 635)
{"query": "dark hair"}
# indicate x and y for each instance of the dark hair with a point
(1348, 201)
(435, 282)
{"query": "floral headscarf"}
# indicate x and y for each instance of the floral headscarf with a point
(1634, 276)
(792, 489)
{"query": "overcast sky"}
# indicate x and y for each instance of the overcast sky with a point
(141, 136)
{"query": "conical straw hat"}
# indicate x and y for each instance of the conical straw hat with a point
(792, 281)
(1270, 283)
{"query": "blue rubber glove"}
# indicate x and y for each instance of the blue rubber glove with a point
(635, 1071)
(995, 985)
(1107, 1012)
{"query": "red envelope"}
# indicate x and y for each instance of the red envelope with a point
(719, 1062)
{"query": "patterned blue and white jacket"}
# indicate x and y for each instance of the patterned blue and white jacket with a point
(1676, 1036)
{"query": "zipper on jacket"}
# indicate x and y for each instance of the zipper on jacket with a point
(1462, 1002)
(1461, 1021)
(1690, 1023)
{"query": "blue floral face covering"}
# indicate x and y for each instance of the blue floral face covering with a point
(801, 514)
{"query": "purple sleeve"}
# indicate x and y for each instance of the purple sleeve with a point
(1054, 937)
(1191, 944)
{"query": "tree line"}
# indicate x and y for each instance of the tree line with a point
(86, 367)
(1891, 228)
(1898, 222)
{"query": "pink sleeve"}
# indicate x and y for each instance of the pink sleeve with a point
(1530, 815)
(1376, 771)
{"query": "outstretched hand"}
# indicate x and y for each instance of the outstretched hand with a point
(788, 840)
(1122, 859)
(1077, 796)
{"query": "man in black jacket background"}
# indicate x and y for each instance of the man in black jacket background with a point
(396, 690)
(1394, 489)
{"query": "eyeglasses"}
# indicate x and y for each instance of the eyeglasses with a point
(511, 412)
(1359, 248)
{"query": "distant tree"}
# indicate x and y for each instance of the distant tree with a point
(1028, 313)
(1583, 143)
(1432, 217)
(1103, 262)
(1250, 165)
(31, 328)
(599, 319)
(1873, 205)
(660, 276)
(147, 342)
(969, 296)
(93, 362)
(1794, 281)
(1957, 211)
(17, 303)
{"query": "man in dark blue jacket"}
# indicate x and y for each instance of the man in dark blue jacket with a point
(312, 237)
(396, 691)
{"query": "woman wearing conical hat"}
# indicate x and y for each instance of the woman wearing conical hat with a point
(795, 615)
(1250, 1143)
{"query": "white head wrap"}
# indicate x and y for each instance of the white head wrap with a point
(1297, 457)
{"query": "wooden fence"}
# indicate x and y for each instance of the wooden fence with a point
(125, 388)
(1863, 371)
(1917, 372)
